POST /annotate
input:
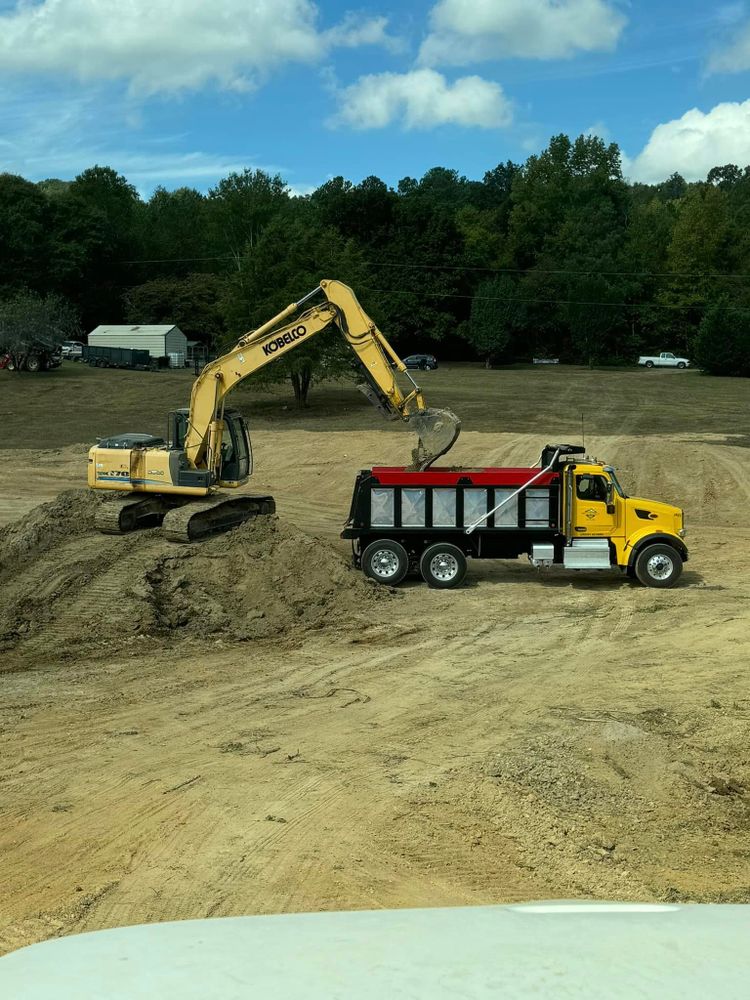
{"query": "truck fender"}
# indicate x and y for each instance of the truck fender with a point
(637, 543)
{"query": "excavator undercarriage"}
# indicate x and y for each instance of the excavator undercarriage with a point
(181, 520)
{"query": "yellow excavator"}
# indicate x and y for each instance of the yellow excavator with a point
(178, 482)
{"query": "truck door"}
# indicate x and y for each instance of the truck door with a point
(594, 510)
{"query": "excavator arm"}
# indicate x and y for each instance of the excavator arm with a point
(437, 430)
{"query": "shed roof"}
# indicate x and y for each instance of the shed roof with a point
(146, 330)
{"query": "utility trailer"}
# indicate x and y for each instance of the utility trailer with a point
(117, 357)
(568, 511)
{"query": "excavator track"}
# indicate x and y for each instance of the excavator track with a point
(120, 516)
(195, 521)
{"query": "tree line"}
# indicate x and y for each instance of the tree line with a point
(558, 256)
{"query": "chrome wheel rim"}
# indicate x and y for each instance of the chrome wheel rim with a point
(384, 563)
(660, 567)
(444, 566)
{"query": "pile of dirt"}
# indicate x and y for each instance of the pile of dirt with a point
(70, 514)
(65, 589)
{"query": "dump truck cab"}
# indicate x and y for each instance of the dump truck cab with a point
(596, 508)
(570, 511)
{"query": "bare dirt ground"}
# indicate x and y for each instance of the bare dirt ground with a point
(526, 736)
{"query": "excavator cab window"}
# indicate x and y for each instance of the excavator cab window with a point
(236, 453)
(178, 425)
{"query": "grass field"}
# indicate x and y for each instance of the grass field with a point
(76, 403)
(527, 736)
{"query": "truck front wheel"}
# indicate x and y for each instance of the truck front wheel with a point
(443, 565)
(658, 566)
(385, 561)
(33, 363)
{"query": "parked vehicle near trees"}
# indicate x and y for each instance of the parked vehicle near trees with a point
(664, 360)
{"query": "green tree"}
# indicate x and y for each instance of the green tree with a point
(698, 255)
(644, 261)
(175, 237)
(239, 209)
(30, 322)
(496, 314)
(292, 256)
(193, 303)
(566, 229)
(23, 234)
(113, 209)
(722, 345)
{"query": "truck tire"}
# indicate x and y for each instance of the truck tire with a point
(385, 561)
(33, 363)
(442, 565)
(11, 366)
(649, 364)
(658, 566)
(680, 364)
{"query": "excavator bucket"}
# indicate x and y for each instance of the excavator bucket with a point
(437, 431)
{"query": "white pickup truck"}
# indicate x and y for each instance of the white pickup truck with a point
(664, 360)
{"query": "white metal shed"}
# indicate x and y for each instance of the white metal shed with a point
(159, 341)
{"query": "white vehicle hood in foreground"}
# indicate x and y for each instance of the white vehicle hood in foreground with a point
(555, 950)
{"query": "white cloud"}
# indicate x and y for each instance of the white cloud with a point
(735, 57)
(172, 45)
(730, 13)
(691, 145)
(422, 99)
(468, 31)
(354, 32)
(600, 131)
(59, 134)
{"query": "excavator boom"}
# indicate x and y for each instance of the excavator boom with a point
(437, 430)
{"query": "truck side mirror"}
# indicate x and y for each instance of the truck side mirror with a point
(610, 498)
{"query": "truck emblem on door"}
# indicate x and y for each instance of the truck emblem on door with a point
(590, 513)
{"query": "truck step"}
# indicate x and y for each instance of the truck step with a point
(587, 553)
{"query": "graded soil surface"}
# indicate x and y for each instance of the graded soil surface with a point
(245, 726)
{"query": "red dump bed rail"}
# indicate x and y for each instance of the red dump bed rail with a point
(391, 475)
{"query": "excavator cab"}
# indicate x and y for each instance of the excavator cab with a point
(236, 464)
(236, 461)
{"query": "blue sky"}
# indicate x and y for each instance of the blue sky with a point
(181, 92)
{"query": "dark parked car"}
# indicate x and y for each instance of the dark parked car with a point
(425, 362)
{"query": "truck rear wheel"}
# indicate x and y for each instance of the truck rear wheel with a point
(33, 363)
(649, 364)
(385, 561)
(658, 566)
(442, 565)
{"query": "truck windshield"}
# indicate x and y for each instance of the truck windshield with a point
(616, 481)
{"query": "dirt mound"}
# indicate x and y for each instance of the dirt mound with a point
(68, 515)
(67, 589)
